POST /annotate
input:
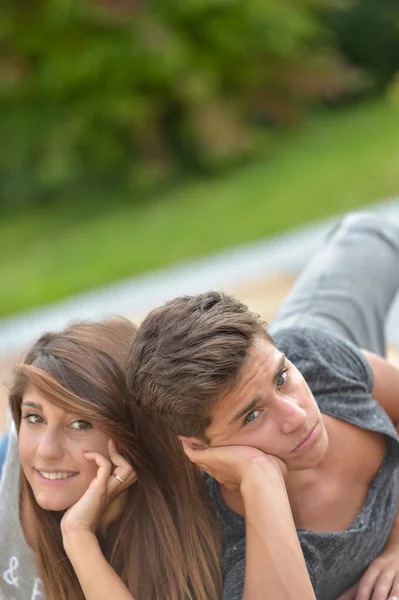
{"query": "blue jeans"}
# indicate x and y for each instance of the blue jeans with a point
(3, 450)
(349, 285)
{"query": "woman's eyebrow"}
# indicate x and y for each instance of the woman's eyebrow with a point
(32, 405)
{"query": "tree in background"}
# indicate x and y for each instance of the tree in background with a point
(102, 99)
(367, 33)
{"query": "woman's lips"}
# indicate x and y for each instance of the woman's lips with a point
(55, 476)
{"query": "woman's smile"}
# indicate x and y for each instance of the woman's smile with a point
(55, 477)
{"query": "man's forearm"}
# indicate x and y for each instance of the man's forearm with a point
(275, 566)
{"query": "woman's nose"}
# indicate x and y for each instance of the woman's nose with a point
(50, 446)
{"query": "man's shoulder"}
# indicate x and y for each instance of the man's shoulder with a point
(320, 355)
(314, 340)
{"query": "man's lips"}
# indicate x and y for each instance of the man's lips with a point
(308, 439)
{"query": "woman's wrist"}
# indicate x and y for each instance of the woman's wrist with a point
(76, 542)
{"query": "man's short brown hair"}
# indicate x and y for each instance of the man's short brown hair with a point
(186, 356)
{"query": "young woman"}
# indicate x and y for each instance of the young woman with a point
(87, 509)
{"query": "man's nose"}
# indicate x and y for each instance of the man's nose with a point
(293, 415)
(51, 445)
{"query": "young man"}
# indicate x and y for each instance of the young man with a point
(316, 399)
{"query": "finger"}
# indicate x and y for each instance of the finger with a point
(383, 585)
(394, 595)
(123, 475)
(117, 484)
(192, 442)
(366, 583)
(194, 454)
(124, 469)
(104, 468)
(198, 458)
(114, 455)
(349, 594)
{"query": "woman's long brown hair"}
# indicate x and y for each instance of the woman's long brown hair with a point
(165, 543)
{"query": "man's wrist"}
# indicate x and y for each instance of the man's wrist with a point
(264, 471)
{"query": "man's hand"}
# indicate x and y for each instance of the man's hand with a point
(349, 594)
(381, 580)
(230, 464)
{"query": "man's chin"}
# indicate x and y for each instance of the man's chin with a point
(309, 460)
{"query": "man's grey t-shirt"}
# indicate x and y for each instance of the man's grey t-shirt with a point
(341, 381)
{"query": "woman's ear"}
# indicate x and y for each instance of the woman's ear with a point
(193, 443)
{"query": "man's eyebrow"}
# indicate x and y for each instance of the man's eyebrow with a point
(257, 400)
(279, 368)
(245, 409)
(32, 405)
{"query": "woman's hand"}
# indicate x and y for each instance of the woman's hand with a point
(113, 477)
(230, 464)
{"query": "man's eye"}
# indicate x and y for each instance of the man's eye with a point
(33, 418)
(282, 378)
(252, 416)
(80, 425)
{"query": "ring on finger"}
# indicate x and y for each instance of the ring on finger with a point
(120, 478)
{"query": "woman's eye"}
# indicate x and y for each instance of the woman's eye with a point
(282, 378)
(251, 417)
(81, 425)
(33, 419)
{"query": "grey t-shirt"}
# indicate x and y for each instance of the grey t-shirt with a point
(341, 381)
(19, 579)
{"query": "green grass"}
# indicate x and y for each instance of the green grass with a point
(333, 163)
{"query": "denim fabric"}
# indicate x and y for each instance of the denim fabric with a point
(3, 450)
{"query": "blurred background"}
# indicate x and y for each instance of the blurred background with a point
(138, 135)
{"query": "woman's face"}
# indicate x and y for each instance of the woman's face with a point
(51, 447)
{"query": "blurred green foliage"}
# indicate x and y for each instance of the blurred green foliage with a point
(105, 99)
(330, 163)
(367, 33)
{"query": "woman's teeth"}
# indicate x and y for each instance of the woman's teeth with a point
(56, 475)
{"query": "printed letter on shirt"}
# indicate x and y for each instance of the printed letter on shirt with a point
(37, 589)
(9, 576)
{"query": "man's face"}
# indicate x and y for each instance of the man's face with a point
(272, 409)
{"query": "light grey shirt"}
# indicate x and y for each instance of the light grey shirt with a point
(18, 575)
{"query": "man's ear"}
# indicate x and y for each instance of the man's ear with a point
(193, 443)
